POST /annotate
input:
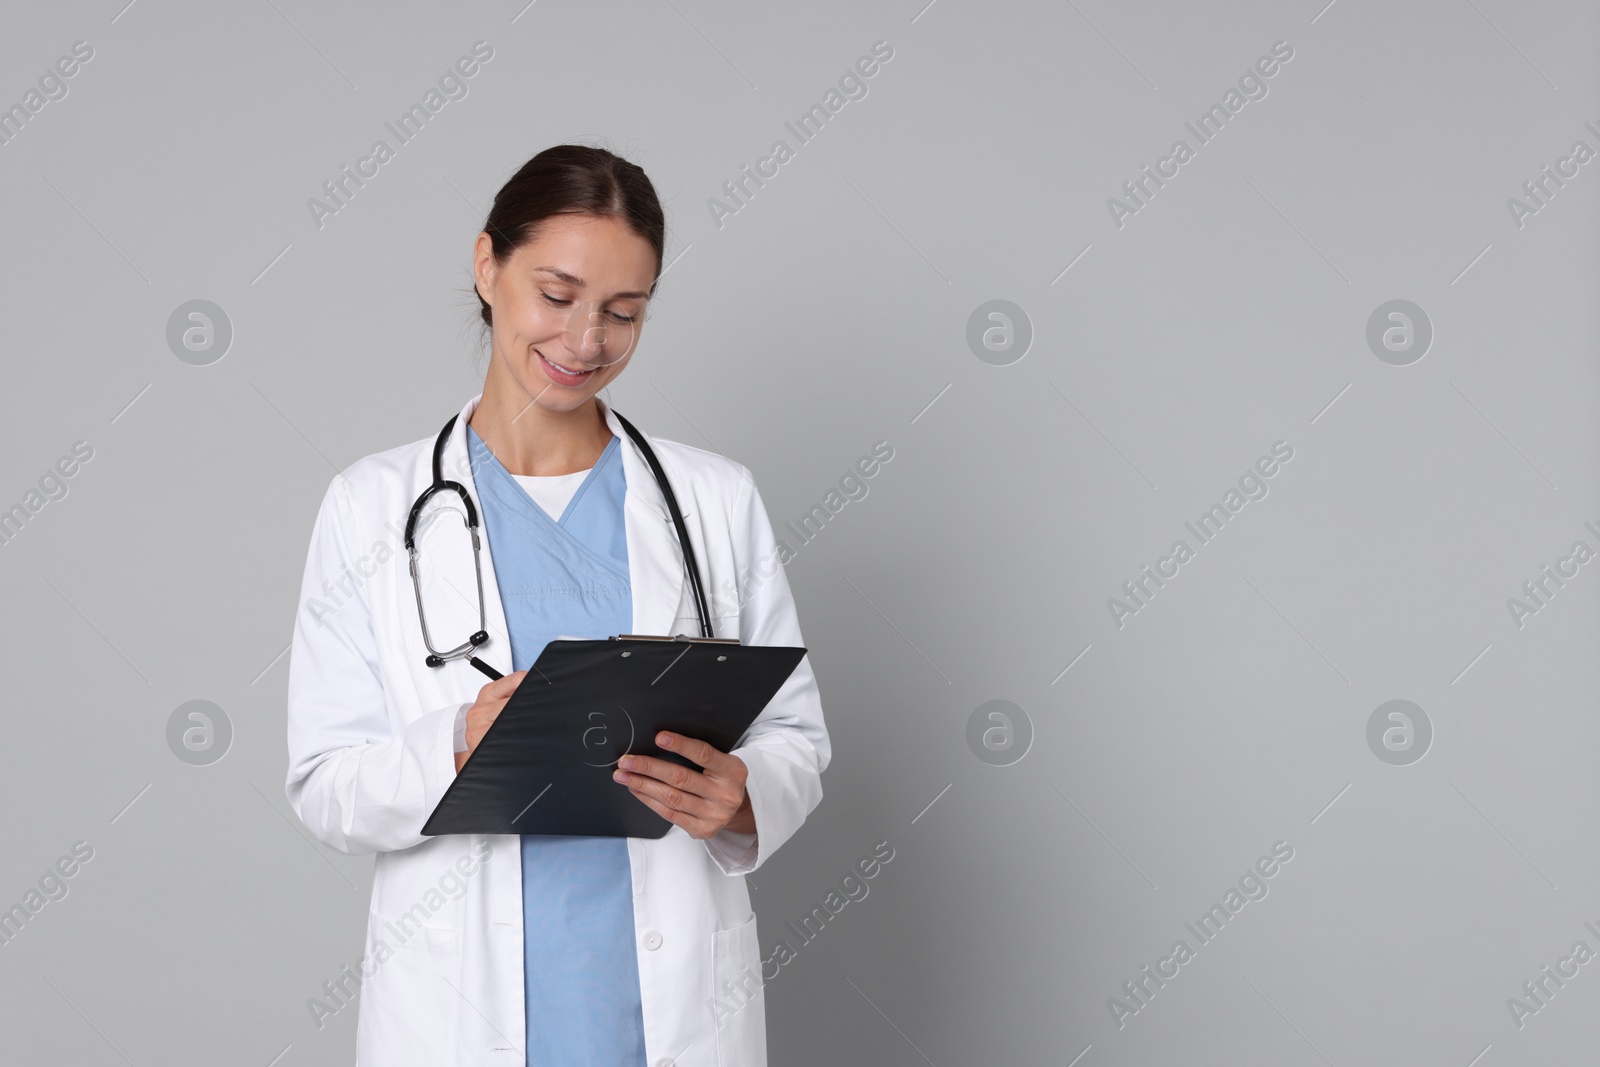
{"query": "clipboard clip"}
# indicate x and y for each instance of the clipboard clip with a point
(685, 638)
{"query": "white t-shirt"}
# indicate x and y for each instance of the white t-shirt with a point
(552, 491)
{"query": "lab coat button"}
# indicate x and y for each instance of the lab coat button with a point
(652, 941)
(663, 1062)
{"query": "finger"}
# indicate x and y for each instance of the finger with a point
(675, 799)
(691, 748)
(695, 827)
(674, 775)
(501, 688)
(657, 807)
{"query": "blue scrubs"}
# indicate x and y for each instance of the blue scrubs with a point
(569, 577)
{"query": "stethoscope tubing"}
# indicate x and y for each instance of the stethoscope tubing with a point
(468, 649)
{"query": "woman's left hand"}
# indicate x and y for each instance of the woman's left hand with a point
(702, 802)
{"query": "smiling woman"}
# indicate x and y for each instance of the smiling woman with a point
(546, 304)
(589, 950)
(563, 283)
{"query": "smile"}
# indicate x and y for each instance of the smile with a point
(561, 375)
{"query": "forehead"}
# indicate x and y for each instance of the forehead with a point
(591, 253)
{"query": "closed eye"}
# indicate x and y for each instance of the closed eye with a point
(567, 303)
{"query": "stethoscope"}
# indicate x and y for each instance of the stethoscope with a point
(468, 649)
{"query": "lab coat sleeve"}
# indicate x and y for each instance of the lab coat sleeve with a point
(357, 782)
(787, 748)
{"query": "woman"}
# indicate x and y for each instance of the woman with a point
(541, 950)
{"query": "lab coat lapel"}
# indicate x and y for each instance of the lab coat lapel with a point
(655, 562)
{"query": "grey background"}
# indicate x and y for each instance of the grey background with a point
(830, 313)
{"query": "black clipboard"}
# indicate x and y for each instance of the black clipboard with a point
(544, 765)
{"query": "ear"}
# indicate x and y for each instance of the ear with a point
(484, 268)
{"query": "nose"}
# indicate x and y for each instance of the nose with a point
(586, 332)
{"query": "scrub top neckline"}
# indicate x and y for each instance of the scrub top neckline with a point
(611, 453)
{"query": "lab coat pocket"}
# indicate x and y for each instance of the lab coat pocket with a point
(411, 1002)
(741, 1006)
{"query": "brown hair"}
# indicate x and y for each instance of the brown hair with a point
(572, 179)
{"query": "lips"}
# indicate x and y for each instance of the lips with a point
(559, 374)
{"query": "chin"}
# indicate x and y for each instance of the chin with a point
(556, 398)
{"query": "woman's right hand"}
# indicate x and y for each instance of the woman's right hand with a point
(491, 698)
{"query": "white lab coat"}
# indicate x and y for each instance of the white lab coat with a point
(371, 753)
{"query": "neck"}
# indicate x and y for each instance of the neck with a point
(529, 439)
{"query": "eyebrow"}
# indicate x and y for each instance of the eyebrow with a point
(573, 279)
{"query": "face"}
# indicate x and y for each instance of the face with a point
(568, 308)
